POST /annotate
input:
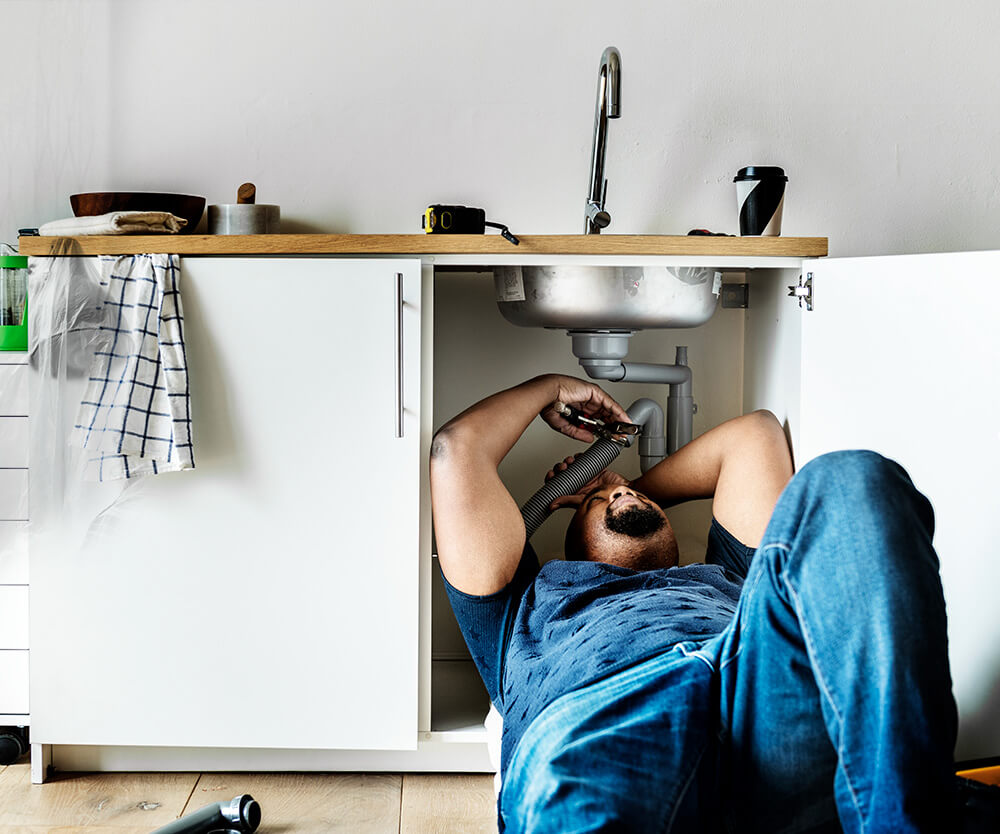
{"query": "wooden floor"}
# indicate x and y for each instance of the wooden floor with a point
(292, 803)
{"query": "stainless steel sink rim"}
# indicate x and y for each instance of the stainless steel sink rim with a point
(575, 297)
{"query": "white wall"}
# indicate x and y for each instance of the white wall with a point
(55, 107)
(354, 116)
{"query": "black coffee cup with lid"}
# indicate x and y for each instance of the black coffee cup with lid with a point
(760, 195)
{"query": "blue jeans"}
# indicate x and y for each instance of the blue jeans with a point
(825, 704)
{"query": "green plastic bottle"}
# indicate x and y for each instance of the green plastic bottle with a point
(13, 302)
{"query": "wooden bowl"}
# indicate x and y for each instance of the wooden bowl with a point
(187, 206)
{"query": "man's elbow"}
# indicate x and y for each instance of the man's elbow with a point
(454, 460)
(450, 442)
(764, 422)
(440, 443)
(764, 429)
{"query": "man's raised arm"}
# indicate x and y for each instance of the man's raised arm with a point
(742, 465)
(477, 524)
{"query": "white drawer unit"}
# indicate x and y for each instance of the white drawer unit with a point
(13, 455)
(14, 682)
(13, 494)
(13, 390)
(13, 553)
(14, 442)
(13, 538)
(13, 616)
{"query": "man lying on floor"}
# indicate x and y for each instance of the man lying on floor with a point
(796, 681)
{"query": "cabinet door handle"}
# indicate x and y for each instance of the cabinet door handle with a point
(399, 354)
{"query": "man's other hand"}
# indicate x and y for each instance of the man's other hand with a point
(586, 397)
(606, 478)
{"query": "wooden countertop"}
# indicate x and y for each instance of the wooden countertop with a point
(687, 245)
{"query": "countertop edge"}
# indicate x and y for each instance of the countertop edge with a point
(314, 244)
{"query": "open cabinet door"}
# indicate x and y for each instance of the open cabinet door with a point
(902, 355)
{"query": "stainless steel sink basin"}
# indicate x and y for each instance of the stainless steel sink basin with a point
(607, 297)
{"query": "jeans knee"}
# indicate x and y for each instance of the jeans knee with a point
(858, 476)
(866, 490)
(860, 466)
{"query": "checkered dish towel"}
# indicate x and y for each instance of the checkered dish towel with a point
(136, 411)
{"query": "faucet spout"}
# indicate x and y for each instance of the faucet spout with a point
(609, 93)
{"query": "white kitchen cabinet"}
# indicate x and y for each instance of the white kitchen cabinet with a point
(14, 442)
(273, 622)
(13, 617)
(13, 539)
(13, 552)
(13, 385)
(269, 597)
(14, 686)
(899, 354)
(14, 494)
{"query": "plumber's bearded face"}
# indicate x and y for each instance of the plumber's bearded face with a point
(619, 526)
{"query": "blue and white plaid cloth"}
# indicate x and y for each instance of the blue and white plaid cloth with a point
(135, 416)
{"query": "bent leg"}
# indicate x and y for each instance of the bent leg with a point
(834, 674)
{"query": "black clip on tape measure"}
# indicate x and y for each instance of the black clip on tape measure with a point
(460, 220)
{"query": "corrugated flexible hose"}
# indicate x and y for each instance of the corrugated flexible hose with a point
(588, 465)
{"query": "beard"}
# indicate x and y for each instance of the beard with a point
(636, 522)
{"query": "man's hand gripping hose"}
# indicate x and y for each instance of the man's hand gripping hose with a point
(612, 437)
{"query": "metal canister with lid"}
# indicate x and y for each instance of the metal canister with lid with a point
(245, 217)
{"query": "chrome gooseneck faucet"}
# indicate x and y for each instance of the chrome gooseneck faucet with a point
(609, 99)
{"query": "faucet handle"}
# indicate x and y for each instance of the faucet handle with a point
(597, 216)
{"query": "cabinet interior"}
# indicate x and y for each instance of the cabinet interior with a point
(476, 353)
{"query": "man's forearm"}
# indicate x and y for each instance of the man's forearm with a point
(694, 470)
(742, 465)
(691, 472)
(492, 426)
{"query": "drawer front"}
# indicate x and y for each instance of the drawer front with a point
(13, 494)
(13, 616)
(13, 390)
(13, 441)
(14, 682)
(13, 552)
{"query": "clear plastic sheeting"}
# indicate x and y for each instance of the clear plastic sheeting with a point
(79, 342)
(121, 327)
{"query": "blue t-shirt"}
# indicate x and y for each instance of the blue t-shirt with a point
(560, 627)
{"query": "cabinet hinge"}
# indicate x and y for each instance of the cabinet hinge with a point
(735, 296)
(804, 291)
